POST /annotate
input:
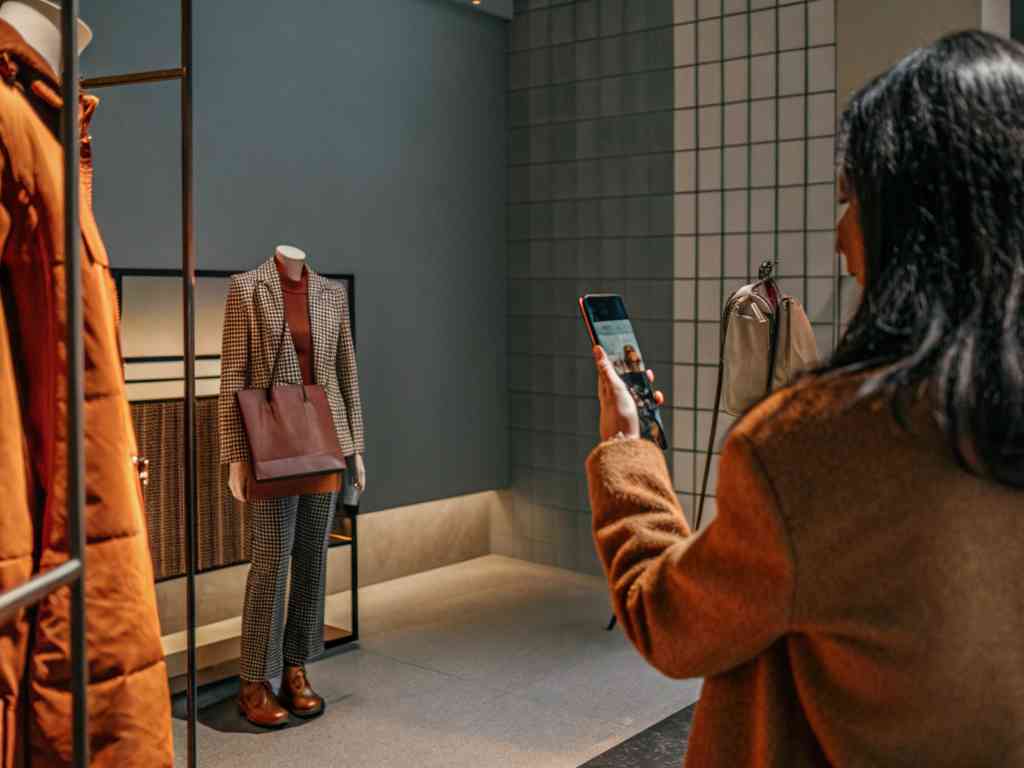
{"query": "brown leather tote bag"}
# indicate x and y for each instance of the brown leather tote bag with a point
(292, 441)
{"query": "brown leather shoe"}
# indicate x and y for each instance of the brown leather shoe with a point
(297, 695)
(256, 701)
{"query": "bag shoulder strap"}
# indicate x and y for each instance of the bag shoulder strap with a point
(280, 341)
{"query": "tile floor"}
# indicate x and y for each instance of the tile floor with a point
(494, 662)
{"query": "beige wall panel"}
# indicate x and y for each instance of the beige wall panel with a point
(873, 35)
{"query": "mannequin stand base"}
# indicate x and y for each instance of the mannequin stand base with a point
(335, 636)
(217, 649)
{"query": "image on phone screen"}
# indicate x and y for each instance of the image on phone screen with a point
(611, 329)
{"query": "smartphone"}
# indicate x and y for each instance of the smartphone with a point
(608, 325)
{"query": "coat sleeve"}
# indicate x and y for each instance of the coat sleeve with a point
(234, 376)
(348, 377)
(693, 605)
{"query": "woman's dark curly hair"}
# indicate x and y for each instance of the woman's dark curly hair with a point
(933, 152)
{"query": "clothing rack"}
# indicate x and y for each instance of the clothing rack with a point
(72, 572)
(183, 74)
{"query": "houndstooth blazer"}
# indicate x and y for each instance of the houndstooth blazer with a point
(253, 318)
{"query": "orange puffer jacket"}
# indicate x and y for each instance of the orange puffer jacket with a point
(129, 705)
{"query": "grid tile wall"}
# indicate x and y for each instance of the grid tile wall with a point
(592, 209)
(754, 137)
(661, 149)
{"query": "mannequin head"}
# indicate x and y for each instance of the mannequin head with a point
(292, 260)
(290, 253)
(38, 21)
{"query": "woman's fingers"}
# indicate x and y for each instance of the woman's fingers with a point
(606, 374)
(659, 396)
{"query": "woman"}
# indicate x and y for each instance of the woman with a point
(858, 600)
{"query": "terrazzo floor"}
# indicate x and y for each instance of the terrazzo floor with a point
(494, 662)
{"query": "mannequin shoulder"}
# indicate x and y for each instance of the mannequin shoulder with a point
(334, 290)
(244, 281)
(241, 286)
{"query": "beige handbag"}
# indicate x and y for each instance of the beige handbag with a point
(766, 340)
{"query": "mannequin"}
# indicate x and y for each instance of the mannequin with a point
(38, 21)
(288, 530)
(293, 260)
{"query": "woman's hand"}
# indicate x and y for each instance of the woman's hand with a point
(618, 410)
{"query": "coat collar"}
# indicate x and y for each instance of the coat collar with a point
(267, 273)
(13, 44)
(14, 51)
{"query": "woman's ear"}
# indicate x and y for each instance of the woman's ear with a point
(850, 242)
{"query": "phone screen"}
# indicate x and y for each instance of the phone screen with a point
(606, 316)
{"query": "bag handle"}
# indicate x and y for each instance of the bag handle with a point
(280, 346)
(723, 330)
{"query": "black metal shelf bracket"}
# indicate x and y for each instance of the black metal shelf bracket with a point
(135, 78)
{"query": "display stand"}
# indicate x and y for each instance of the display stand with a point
(189, 273)
(336, 636)
(216, 643)
(184, 74)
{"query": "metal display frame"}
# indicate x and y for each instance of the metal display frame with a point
(189, 272)
(72, 572)
(183, 74)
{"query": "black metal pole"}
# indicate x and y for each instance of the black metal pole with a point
(354, 582)
(75, 373)
(134, 78)
(34, 590)
(188, 305)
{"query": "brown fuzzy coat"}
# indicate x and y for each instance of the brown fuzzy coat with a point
(857, 601)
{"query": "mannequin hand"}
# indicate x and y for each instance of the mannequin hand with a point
(618, 409)
(360, 472)
(238, 480)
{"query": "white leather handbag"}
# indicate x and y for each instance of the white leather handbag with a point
(766, 341)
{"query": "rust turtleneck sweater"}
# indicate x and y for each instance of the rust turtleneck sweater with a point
(296, 310)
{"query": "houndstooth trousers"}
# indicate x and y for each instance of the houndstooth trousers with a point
(294, 528)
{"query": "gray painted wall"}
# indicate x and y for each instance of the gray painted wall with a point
(370, 134)
(872, 35)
